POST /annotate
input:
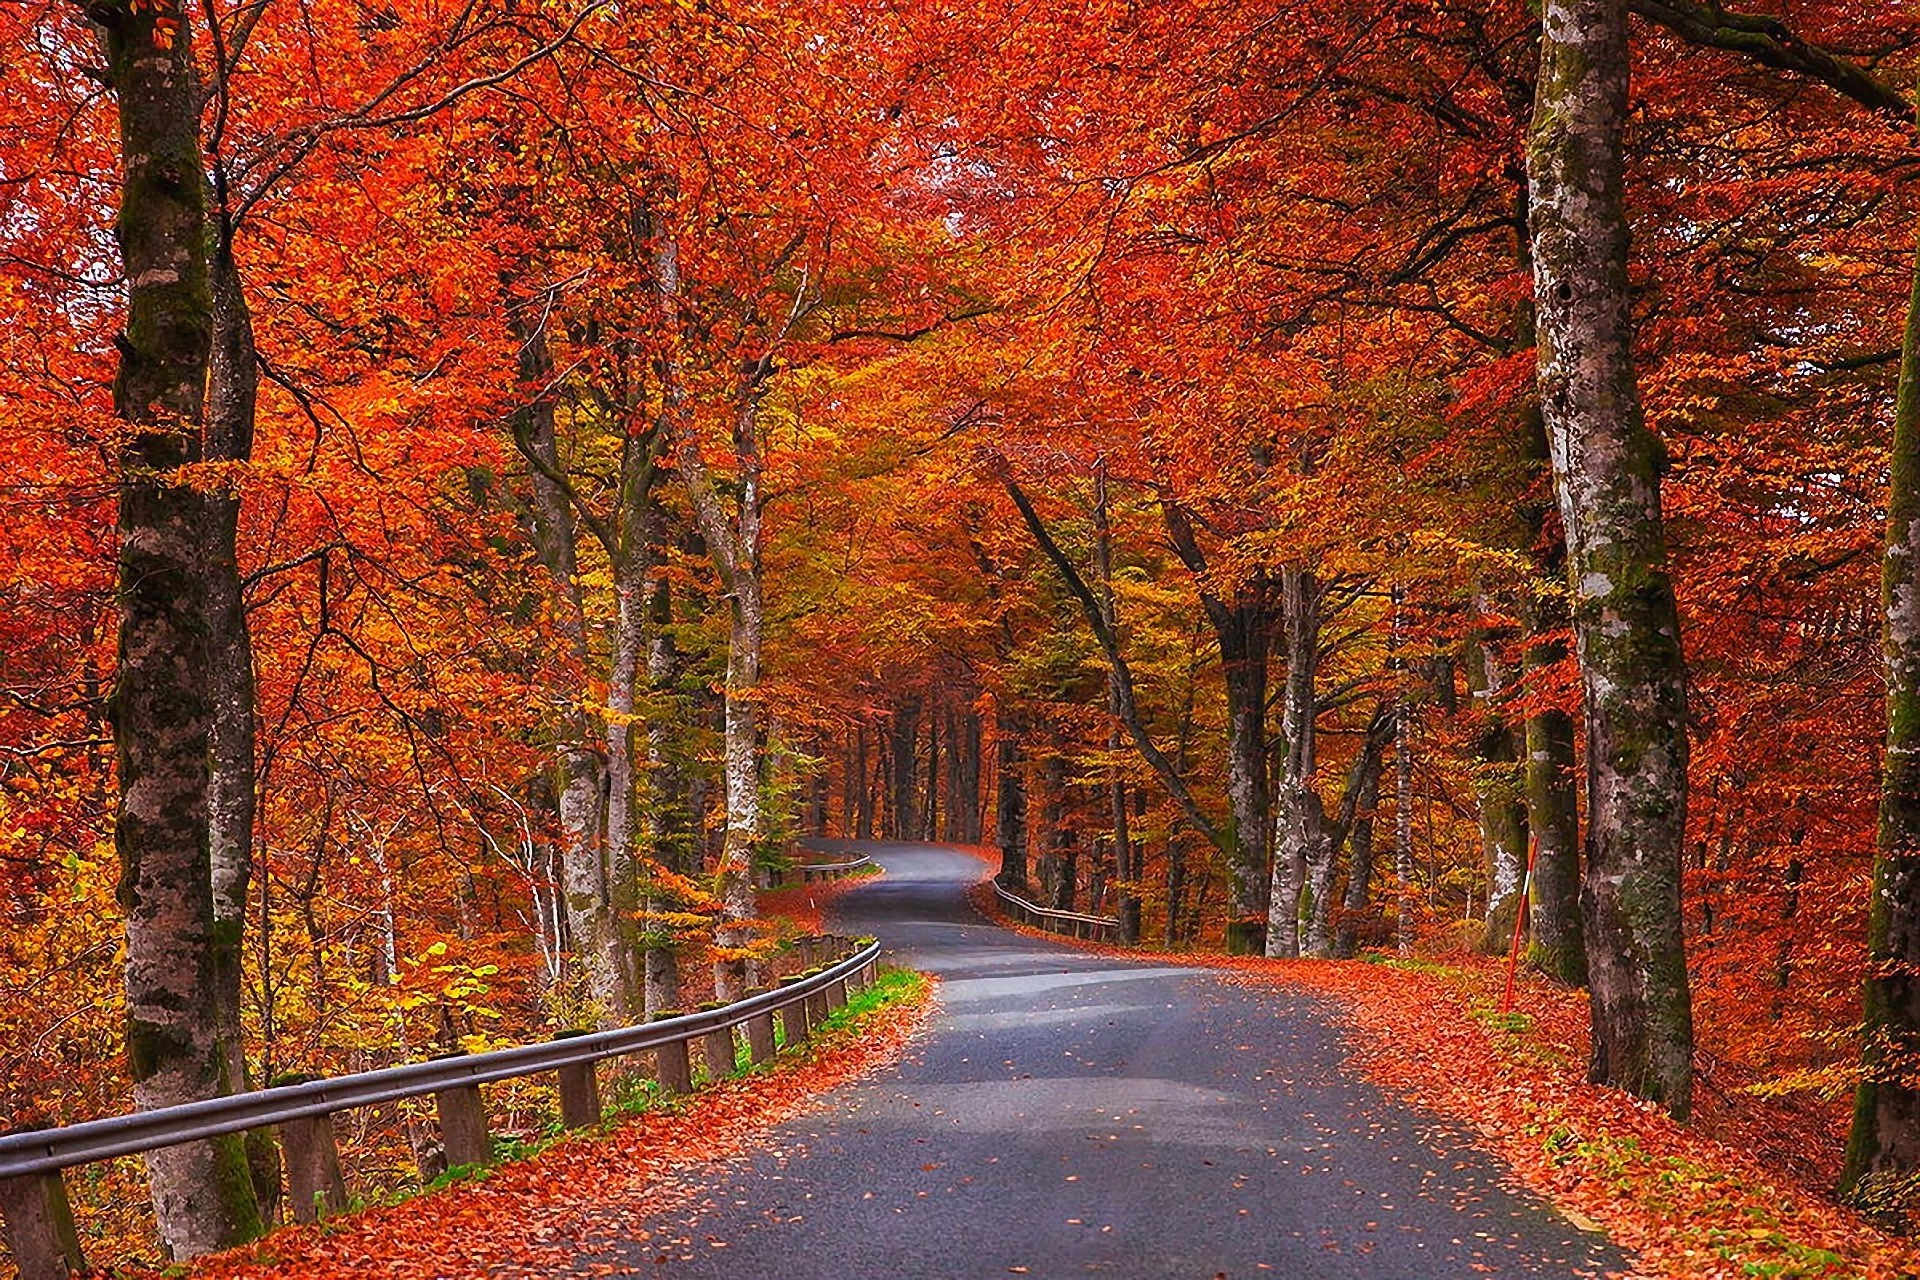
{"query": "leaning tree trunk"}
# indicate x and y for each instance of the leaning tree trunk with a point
(177, 966)
(1607, 468)
(1883, 1150)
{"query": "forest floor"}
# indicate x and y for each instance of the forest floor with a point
(1744, 1191)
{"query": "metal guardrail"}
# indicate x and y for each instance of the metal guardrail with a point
(45, 1150)
(1095, 928)
(38, 1221)
(831, 870)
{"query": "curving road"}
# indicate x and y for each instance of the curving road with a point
(1071, 1115)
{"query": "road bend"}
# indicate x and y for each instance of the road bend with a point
(1076, 1115)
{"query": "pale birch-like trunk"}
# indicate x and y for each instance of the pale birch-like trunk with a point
(1607, 469)
(1301, 839)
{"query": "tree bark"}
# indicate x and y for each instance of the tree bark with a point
(1607, 469)
(1243, 631)
(904, 744)
(1883, 1149)
(180, 960)
(1010, 802)
(1498, 787)
(599, 941)
(1301, 838)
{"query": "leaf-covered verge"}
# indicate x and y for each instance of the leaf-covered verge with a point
(543, 1213)
(1702, 1202)
(804, 906)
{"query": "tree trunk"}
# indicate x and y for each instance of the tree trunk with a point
(963, 811)
(586, 872)
(1553, 817)
(180, 958)
(1301, 839)
(1498, 788)
(1607, 468)
(1356, 906)
(1408, 903)
(1362, 788)
(1243, 631)
(1883, 1149)
(905, 746)
(863, 790)
(1010, 804)
(1060, 865)
(735, 874)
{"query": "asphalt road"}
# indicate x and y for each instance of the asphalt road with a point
(1072, 1115)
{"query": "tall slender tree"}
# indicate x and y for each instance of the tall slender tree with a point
(179, 1039)
(1607, 468)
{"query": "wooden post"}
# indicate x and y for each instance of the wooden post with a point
(38, 1224)
(717, 1047)
(793, 1017)
(760, 1046)
(816, 1003)
(315, 1187)
(836, 995)
(579, 1090)
(670, 1060)
(463, 1122)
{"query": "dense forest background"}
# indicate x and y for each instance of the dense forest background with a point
(649, 434)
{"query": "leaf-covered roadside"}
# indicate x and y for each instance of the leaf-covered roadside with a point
(1690, 1204)
(540, 1215)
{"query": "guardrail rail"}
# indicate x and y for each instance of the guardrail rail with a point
(38, 1222)
(1093, 928)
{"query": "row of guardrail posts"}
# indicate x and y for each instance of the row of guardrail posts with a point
(1091, 928)
(812, 871)
(38, 1219)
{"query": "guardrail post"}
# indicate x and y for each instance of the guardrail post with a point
(716, 1047)
(760, 1046)
(793, 1017)
(816, 1003)
(836, 995)
(579, 1090)
(463, 1122)
(38, 1224)
(670, 1061)
(315, 1187)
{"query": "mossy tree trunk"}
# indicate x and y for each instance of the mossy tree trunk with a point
(1883, 1150)
(1607, 469)
(180, 956)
